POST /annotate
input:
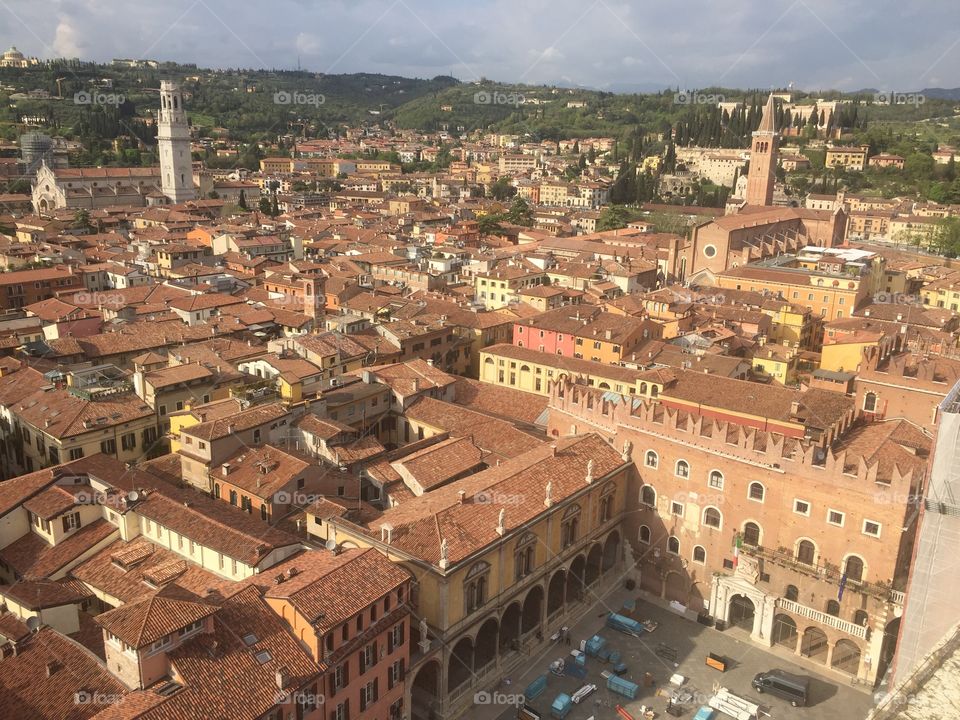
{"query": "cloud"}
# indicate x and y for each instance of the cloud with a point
(755, 43)
(65, 41)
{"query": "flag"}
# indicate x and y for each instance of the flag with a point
(737, 544)
(843, 584)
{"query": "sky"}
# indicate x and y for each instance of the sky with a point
(616, 45)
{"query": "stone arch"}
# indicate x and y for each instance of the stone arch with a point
(532, 612)
(611, 551)
(425, 691)
(741, 611)
(555, 591)
(460, 669)
(813, 645)
(846, 657)
(485, 644)
(575, 577)
(785, 631)
(594, 559)
(510, 627)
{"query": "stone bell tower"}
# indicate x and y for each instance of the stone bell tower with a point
(763, 159)
(173, 142)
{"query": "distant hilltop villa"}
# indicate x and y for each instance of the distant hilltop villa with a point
(13, 58)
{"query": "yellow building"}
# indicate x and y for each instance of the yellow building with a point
(850, 158)
(532, 371)
(777, 362)
(503, 558)
(501, 286)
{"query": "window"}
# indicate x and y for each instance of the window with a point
(801, 507)
(644, 534)
(806, 552)
(652, 460)
(791, 593)
(648, 496)
(71, 521)
(835, 517)
(871, 528)
(756, 492)
(712, 518)
(525, 555)
(368, 658)
(682, 469)
(673, 545)
(76, 453)
(129, 441)
(475, 587)
(751, 534)
(860, 618)
(676, 508)
(109, 446)
(606, 502)
(570, 527)
(715, 480)
(368, 694)
(853, 569)
(833, 608)
(160, 644)
(870, 402)
(699, 554)
(256, 435)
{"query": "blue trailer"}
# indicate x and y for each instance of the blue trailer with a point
(595, 646)
(623, 624)
(623, 687)
(536, 688)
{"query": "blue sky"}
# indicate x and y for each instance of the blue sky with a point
(605, 44)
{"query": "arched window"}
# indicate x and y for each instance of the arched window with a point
(648, 496)
(654, 390)
(712, 518)
(833, 608)
(806, 552)
(607, 497)
(791, 593)
(751, 534)
(644, 534)
(643, 388)
(682, 469)
(570, 526)
(525, 555)
(870, 402)
(715, 480)
(699, 554)
(853, 568)
(475, 586)
(861, 618)
(652, 459)
(756, 491)
(673, 545)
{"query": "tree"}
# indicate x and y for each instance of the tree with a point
(264, 205)
(613, 217)
(81, 220)
(501, 189)
(520, 212)
(19, 187)
(242, 200)
(490, 224)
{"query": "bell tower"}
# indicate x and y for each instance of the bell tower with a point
(173, 143)
(763, 159)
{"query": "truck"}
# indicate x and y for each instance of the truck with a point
(733, 705)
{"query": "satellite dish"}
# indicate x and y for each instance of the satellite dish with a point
(331, 545)
(133, 496)
(33, 623)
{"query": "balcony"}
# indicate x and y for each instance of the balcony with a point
(823, 618)
(825, 571)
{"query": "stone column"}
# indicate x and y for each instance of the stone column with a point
(829, 653)
(799, 650)
(763, 622)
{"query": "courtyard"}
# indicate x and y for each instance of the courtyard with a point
(676, 646)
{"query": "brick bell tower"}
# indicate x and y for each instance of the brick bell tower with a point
(763, 159)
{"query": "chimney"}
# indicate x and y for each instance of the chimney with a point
(461, 496)
(795, 407)
(282, 677)
(230, 428)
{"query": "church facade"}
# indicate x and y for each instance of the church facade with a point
(91, 188)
